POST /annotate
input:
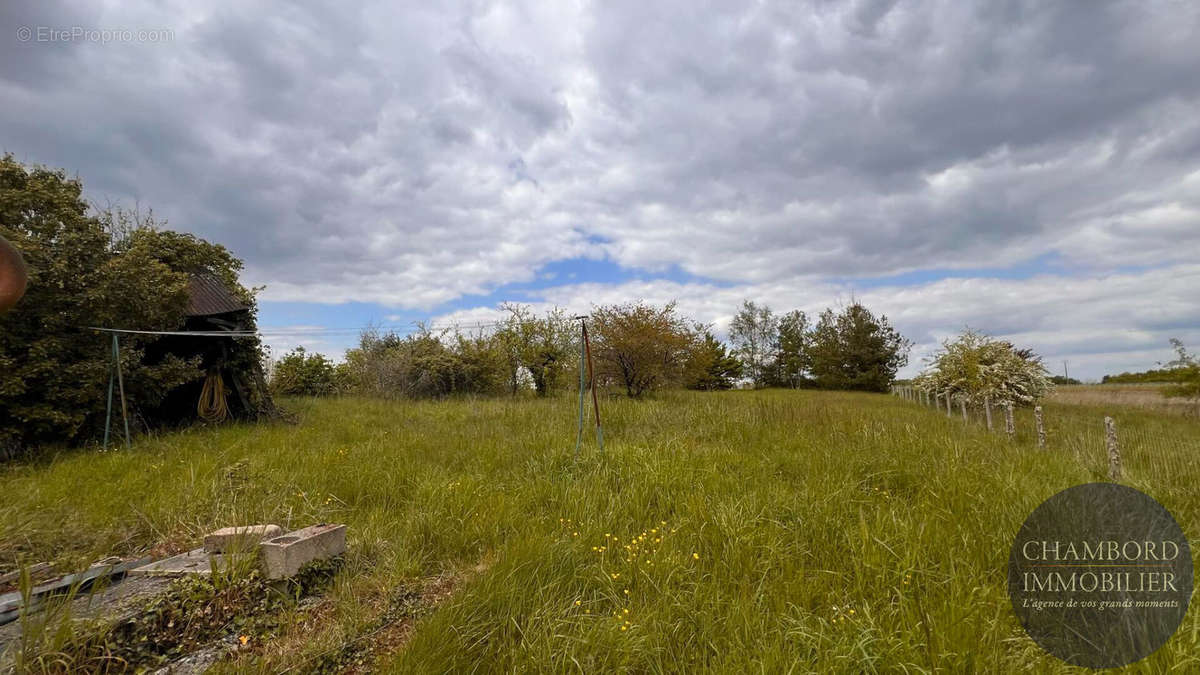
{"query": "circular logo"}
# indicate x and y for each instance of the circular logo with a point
(1100, 575)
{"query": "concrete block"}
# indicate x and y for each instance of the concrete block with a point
(282, 557)
(243, 538)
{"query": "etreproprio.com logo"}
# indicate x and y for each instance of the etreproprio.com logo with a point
(1100, 575)
(59, 34)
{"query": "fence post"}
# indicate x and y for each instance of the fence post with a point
(1041, 429)
(1114, 450)
(962, 404)
(987, 411)
(1009, 427)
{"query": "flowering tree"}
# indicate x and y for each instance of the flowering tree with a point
(975, 366)
(1186, 372)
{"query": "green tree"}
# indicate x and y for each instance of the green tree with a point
(640, 346)
(856, 350)
(109, 269)
(792, 360)
(710, 366)
(483, 364)
(542, 345)
(754, 333)
(299, 373)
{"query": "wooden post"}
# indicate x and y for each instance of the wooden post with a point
(962, 404)
(987, 411)
(1009, 427)
(1114, 450)
(1041, 429)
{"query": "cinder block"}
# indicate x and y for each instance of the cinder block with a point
(243, 538)
(283, 557)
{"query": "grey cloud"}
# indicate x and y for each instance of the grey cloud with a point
(410, 154)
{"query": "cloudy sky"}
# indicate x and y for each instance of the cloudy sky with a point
(1028, 169)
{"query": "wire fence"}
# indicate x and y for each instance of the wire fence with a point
(1125, 445)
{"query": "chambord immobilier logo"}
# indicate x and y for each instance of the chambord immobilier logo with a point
(1100, 575)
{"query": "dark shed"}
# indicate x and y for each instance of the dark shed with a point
(213, 307)
(208, 296)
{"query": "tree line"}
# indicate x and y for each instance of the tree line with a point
(637, 348)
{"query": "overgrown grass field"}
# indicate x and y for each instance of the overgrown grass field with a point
(772, 531)
(1144, 396)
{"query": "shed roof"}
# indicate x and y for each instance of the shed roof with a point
(208, 295)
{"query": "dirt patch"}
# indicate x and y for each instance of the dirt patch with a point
(391, 637)
(397, 614)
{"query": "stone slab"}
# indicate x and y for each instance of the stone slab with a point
(12, 604)
(195, 561)
(282, 557)
(243, 538)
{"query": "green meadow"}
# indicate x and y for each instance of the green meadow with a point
(769, 531)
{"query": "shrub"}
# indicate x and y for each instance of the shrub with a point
(299, 373)
(640, 346)
(976, 367)
(1186, 370)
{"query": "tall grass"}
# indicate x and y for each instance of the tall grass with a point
(775, 531)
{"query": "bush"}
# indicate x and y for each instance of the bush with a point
(1186, 370)
(524, 351)
(641, 347)
(974, 366)
(421, 365)
(299, 373)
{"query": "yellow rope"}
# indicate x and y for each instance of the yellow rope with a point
(212, 407)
